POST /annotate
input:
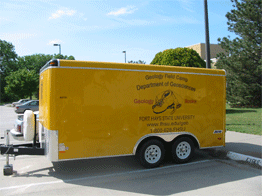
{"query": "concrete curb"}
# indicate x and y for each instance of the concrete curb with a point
(222, 153)
(248, 159)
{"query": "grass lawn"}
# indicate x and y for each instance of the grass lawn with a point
(244, 120)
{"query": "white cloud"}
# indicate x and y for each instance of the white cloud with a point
(4, 19)
(134, 22)
(187, 5)
(62, 12)
(180, 20)
(55, 41)
(20, 41)
(123, 10)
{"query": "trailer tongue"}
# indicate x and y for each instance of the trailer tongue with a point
(32, 148)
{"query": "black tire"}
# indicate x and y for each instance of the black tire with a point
(151, 153)
(183, 150)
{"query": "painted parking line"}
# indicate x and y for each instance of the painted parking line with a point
(102, 176)
(17, 157)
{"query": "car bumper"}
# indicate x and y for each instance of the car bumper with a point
(17, 135)
(19, 111)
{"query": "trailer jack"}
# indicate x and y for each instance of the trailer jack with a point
(8, 168)
(19, 149)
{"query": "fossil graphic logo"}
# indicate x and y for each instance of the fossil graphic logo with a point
(165, 101)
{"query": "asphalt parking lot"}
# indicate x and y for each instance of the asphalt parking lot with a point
(204, 175)
(7, 118)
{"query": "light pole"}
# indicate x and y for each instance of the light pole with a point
(125, 55)
(59, 47)
(207, 37)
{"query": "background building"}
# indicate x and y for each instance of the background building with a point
(201, 50)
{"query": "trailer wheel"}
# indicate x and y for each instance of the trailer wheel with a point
(151, 153)
(29, 125)
(183, 150)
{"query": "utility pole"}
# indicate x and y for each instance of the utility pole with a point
(207, 36)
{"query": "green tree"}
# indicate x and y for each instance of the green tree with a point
(22, 83)
(7, 58)
(8, 64)
(11, 65)
(60, 56)
(137, 62)
(184, 57)
(242, 58)
(34, 62)
(37, 61)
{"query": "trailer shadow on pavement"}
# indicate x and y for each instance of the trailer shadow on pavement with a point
(86, 167)
(126, 174)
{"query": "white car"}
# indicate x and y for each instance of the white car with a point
(18, 131)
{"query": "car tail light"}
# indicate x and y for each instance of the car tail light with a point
(16, 107)
(19, 128)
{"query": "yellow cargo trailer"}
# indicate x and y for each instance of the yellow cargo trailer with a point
(97, 109)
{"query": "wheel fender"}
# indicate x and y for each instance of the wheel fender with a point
(29, 125)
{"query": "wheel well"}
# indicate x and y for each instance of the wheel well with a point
(167, 144)
(150, 138)
(196, 144)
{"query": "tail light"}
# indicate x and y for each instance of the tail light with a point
(19, 128)
(16, 107)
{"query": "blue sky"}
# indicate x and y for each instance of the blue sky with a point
(99, 30)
